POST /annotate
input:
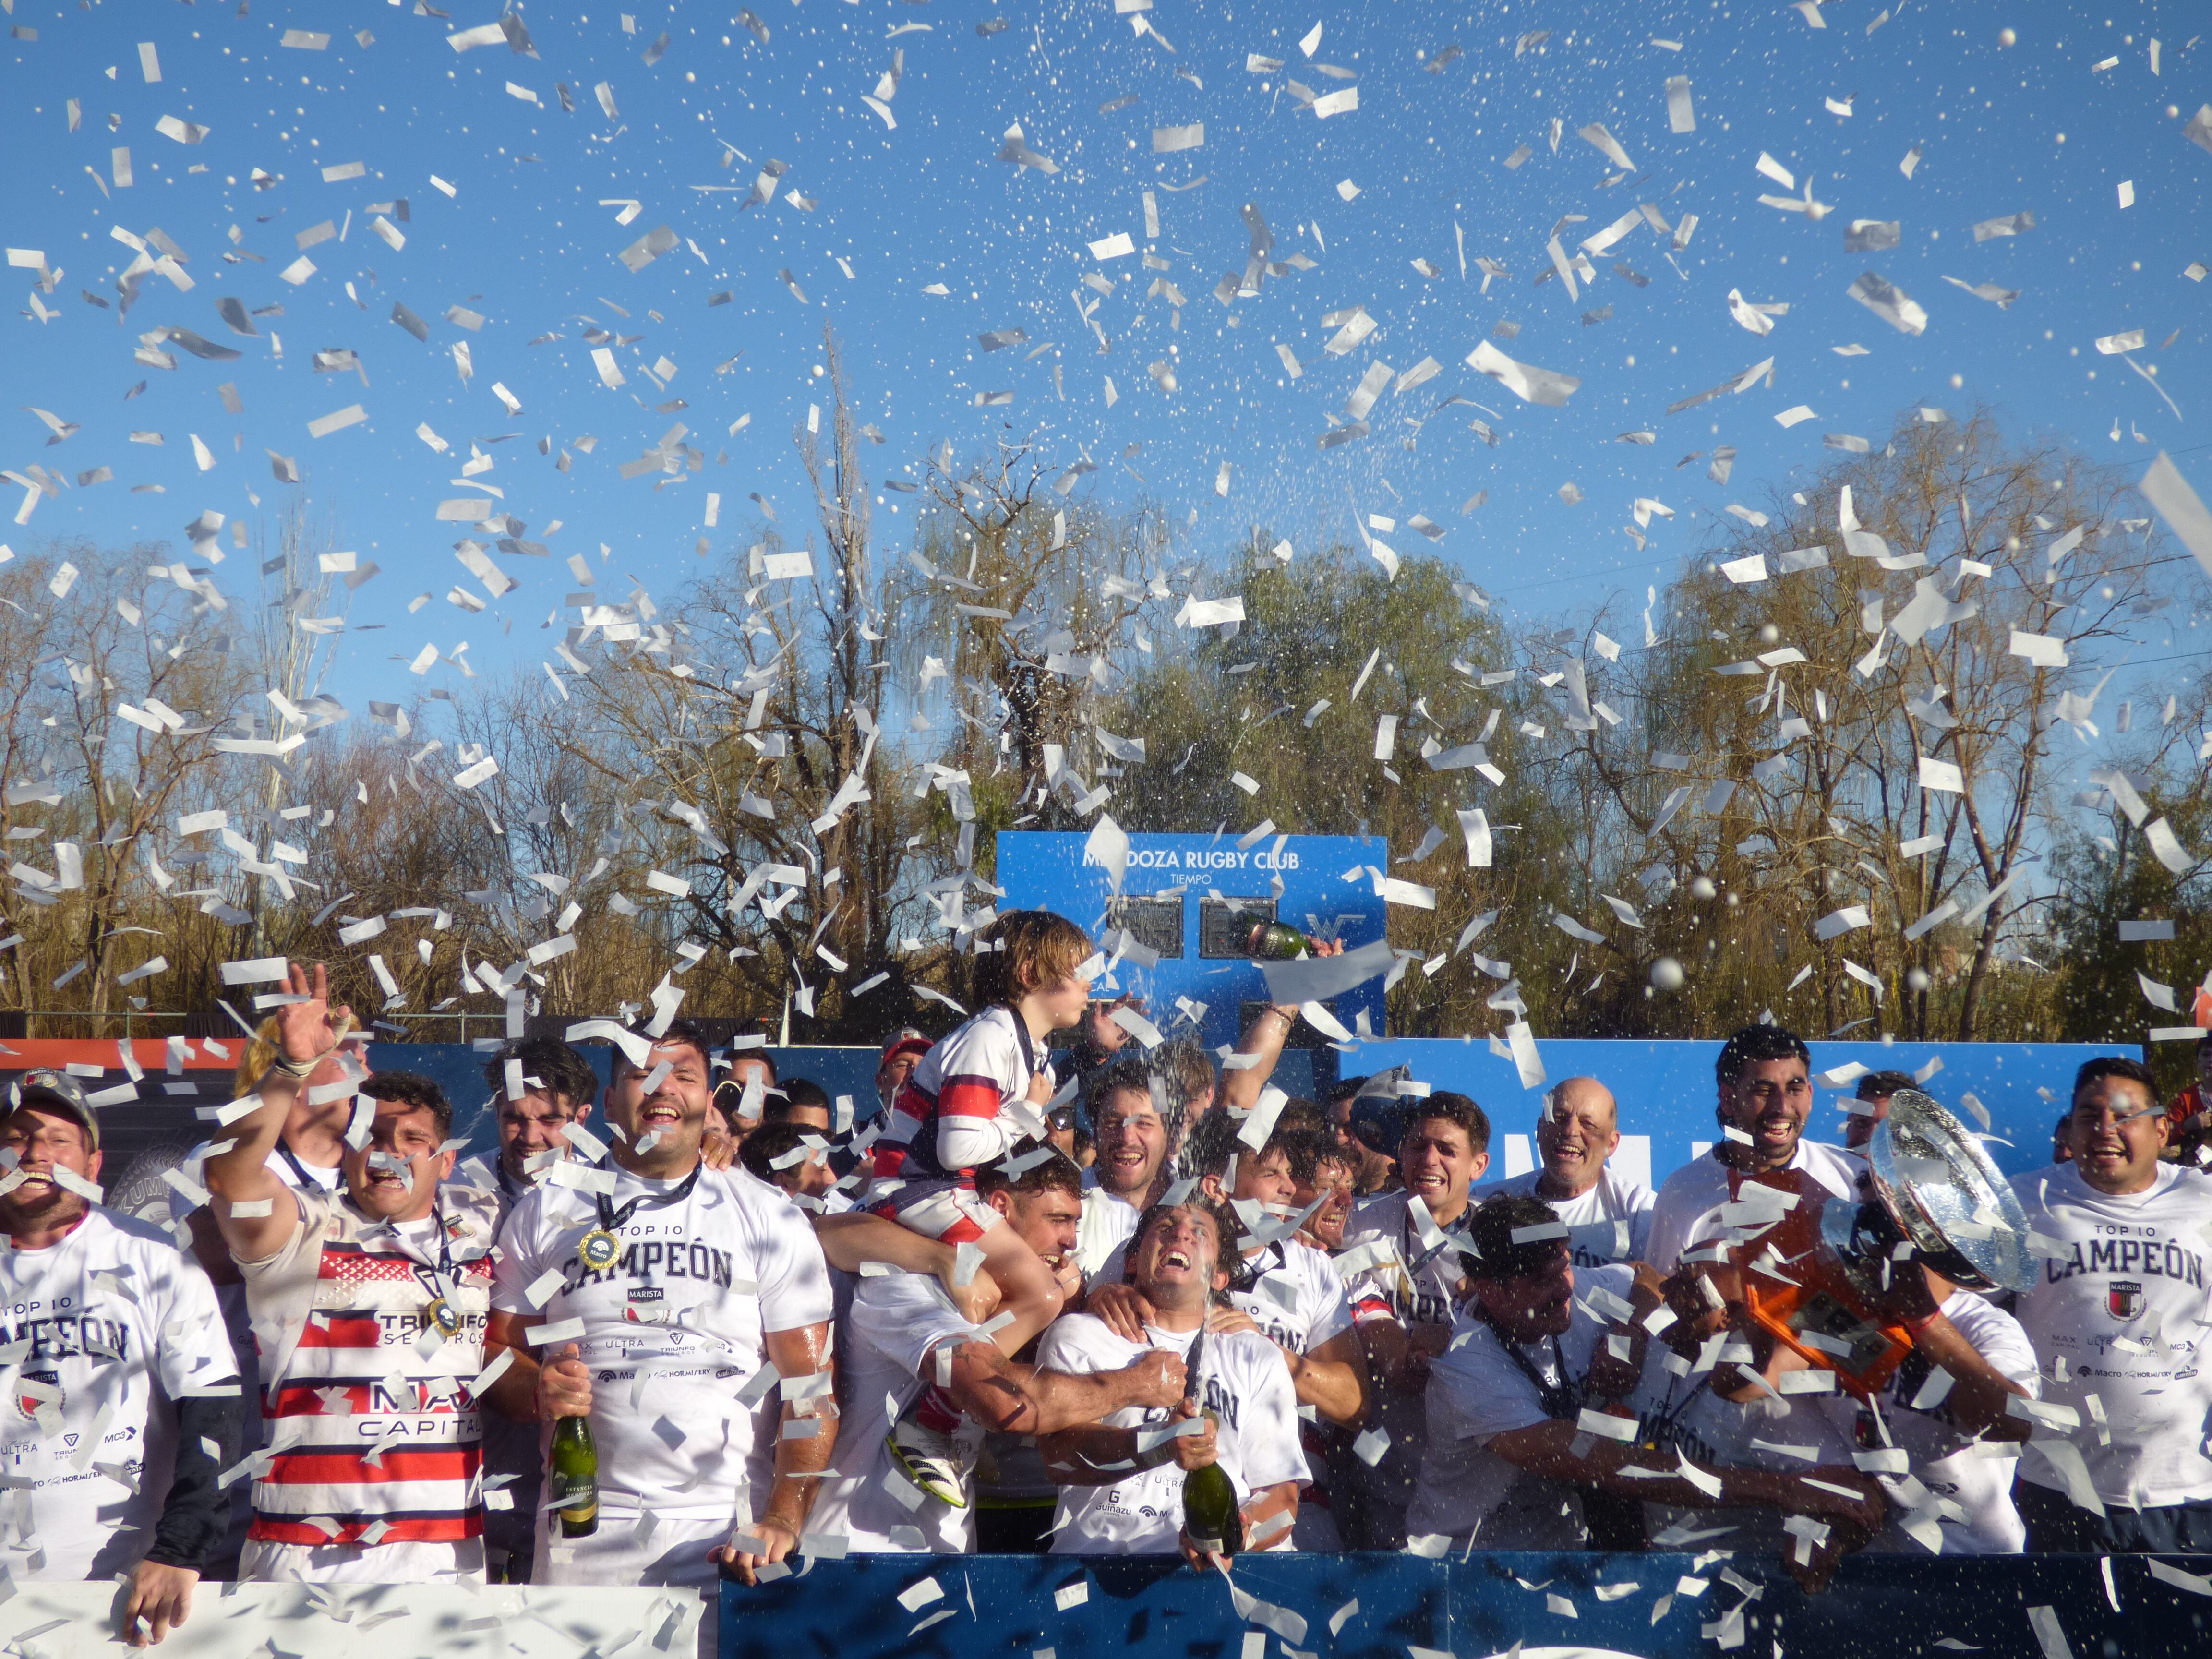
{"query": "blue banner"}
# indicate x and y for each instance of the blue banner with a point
(1656, 1606)
(1666, 1091)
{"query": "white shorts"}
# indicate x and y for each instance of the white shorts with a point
(458, 1562)
(672, 1554)
(948, 1214)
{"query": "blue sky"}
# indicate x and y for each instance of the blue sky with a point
(868, 217)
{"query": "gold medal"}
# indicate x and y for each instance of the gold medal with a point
(440, 1315)
(599, 1250)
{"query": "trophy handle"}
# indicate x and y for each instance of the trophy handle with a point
(1826, 1317)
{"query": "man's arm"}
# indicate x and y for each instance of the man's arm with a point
(1979, 1391)
(518, 1393)
(1547, 1448)
(194, 1517)
(1333, 1379)
(1096, 1455)
(1016, 1398)
(801, 1351)
(240, 1174)
(850, 1239)
(1263, 1041)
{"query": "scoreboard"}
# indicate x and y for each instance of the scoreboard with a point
(1193, 900)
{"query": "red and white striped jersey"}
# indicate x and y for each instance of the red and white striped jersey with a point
(952, 1115)
(375, 1433)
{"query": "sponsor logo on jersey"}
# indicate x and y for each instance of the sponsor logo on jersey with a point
(2123, 1298)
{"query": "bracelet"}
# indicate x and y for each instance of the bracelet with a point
(297, 1070)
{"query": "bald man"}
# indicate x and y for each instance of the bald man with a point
(1608, 1214)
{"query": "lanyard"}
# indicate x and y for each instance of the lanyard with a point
(308, 1183)
(610, 1218)
(1559, 1400)
(435, 1279)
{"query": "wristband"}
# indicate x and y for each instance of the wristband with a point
(297, 1070)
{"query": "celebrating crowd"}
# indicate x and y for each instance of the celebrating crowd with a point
(1013, 1305)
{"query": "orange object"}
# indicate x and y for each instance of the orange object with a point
(1822, 1306)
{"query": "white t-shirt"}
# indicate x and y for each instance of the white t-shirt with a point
(885, 1342)
(675, 1329)
(1475, 1393)
(1974, 1477)
(1681, 1216)
(1243, 1380)
(285, 1165)
(1107, 1224)
(2123, 1309)
(1730, 1434)
(1611, 1222)
(117, 1326)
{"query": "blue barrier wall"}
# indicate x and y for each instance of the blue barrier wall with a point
(458, 1070)
(1666, 1091)
(1893, 1606)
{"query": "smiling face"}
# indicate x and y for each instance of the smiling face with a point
(2116, 1132)
(538, 1122)
(1576, 1135)
(1046, 1220)
(674, 1110)
(1437, 1163)
(399, 1134)
(1132, 1141)
(1177, 1263)
(43, 1141)
(1769, 1101)
(1534, 1304)
(1267, 1179)
(1333, 1178)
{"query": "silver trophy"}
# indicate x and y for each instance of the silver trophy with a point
(1937, 1193)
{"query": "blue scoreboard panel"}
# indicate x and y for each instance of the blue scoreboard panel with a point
(1195, 900)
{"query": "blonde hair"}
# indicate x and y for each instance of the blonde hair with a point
(261, 1053)
(1029, 949)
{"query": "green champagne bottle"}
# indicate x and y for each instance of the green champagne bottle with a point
(576, 1477)
(1210, 1519)
(1277, 940)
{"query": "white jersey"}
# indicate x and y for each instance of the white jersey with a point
(1969, 1508)
(885, 1342)
(673, 1332)
(2124, 1309)
(113, 1327)
(1610, 1222)
(1682, 1215)
(1791, 1435)
(1107, 1224)
(1477, 1392)
(1242, 1379)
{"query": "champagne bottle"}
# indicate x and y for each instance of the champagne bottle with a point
(1275, 939)
(576, 1477)
(1210, 1519)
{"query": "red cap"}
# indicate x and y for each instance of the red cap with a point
(906, 1042)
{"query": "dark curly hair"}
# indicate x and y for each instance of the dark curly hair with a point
(1229, 1233)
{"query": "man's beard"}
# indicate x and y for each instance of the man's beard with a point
(54, 1205)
